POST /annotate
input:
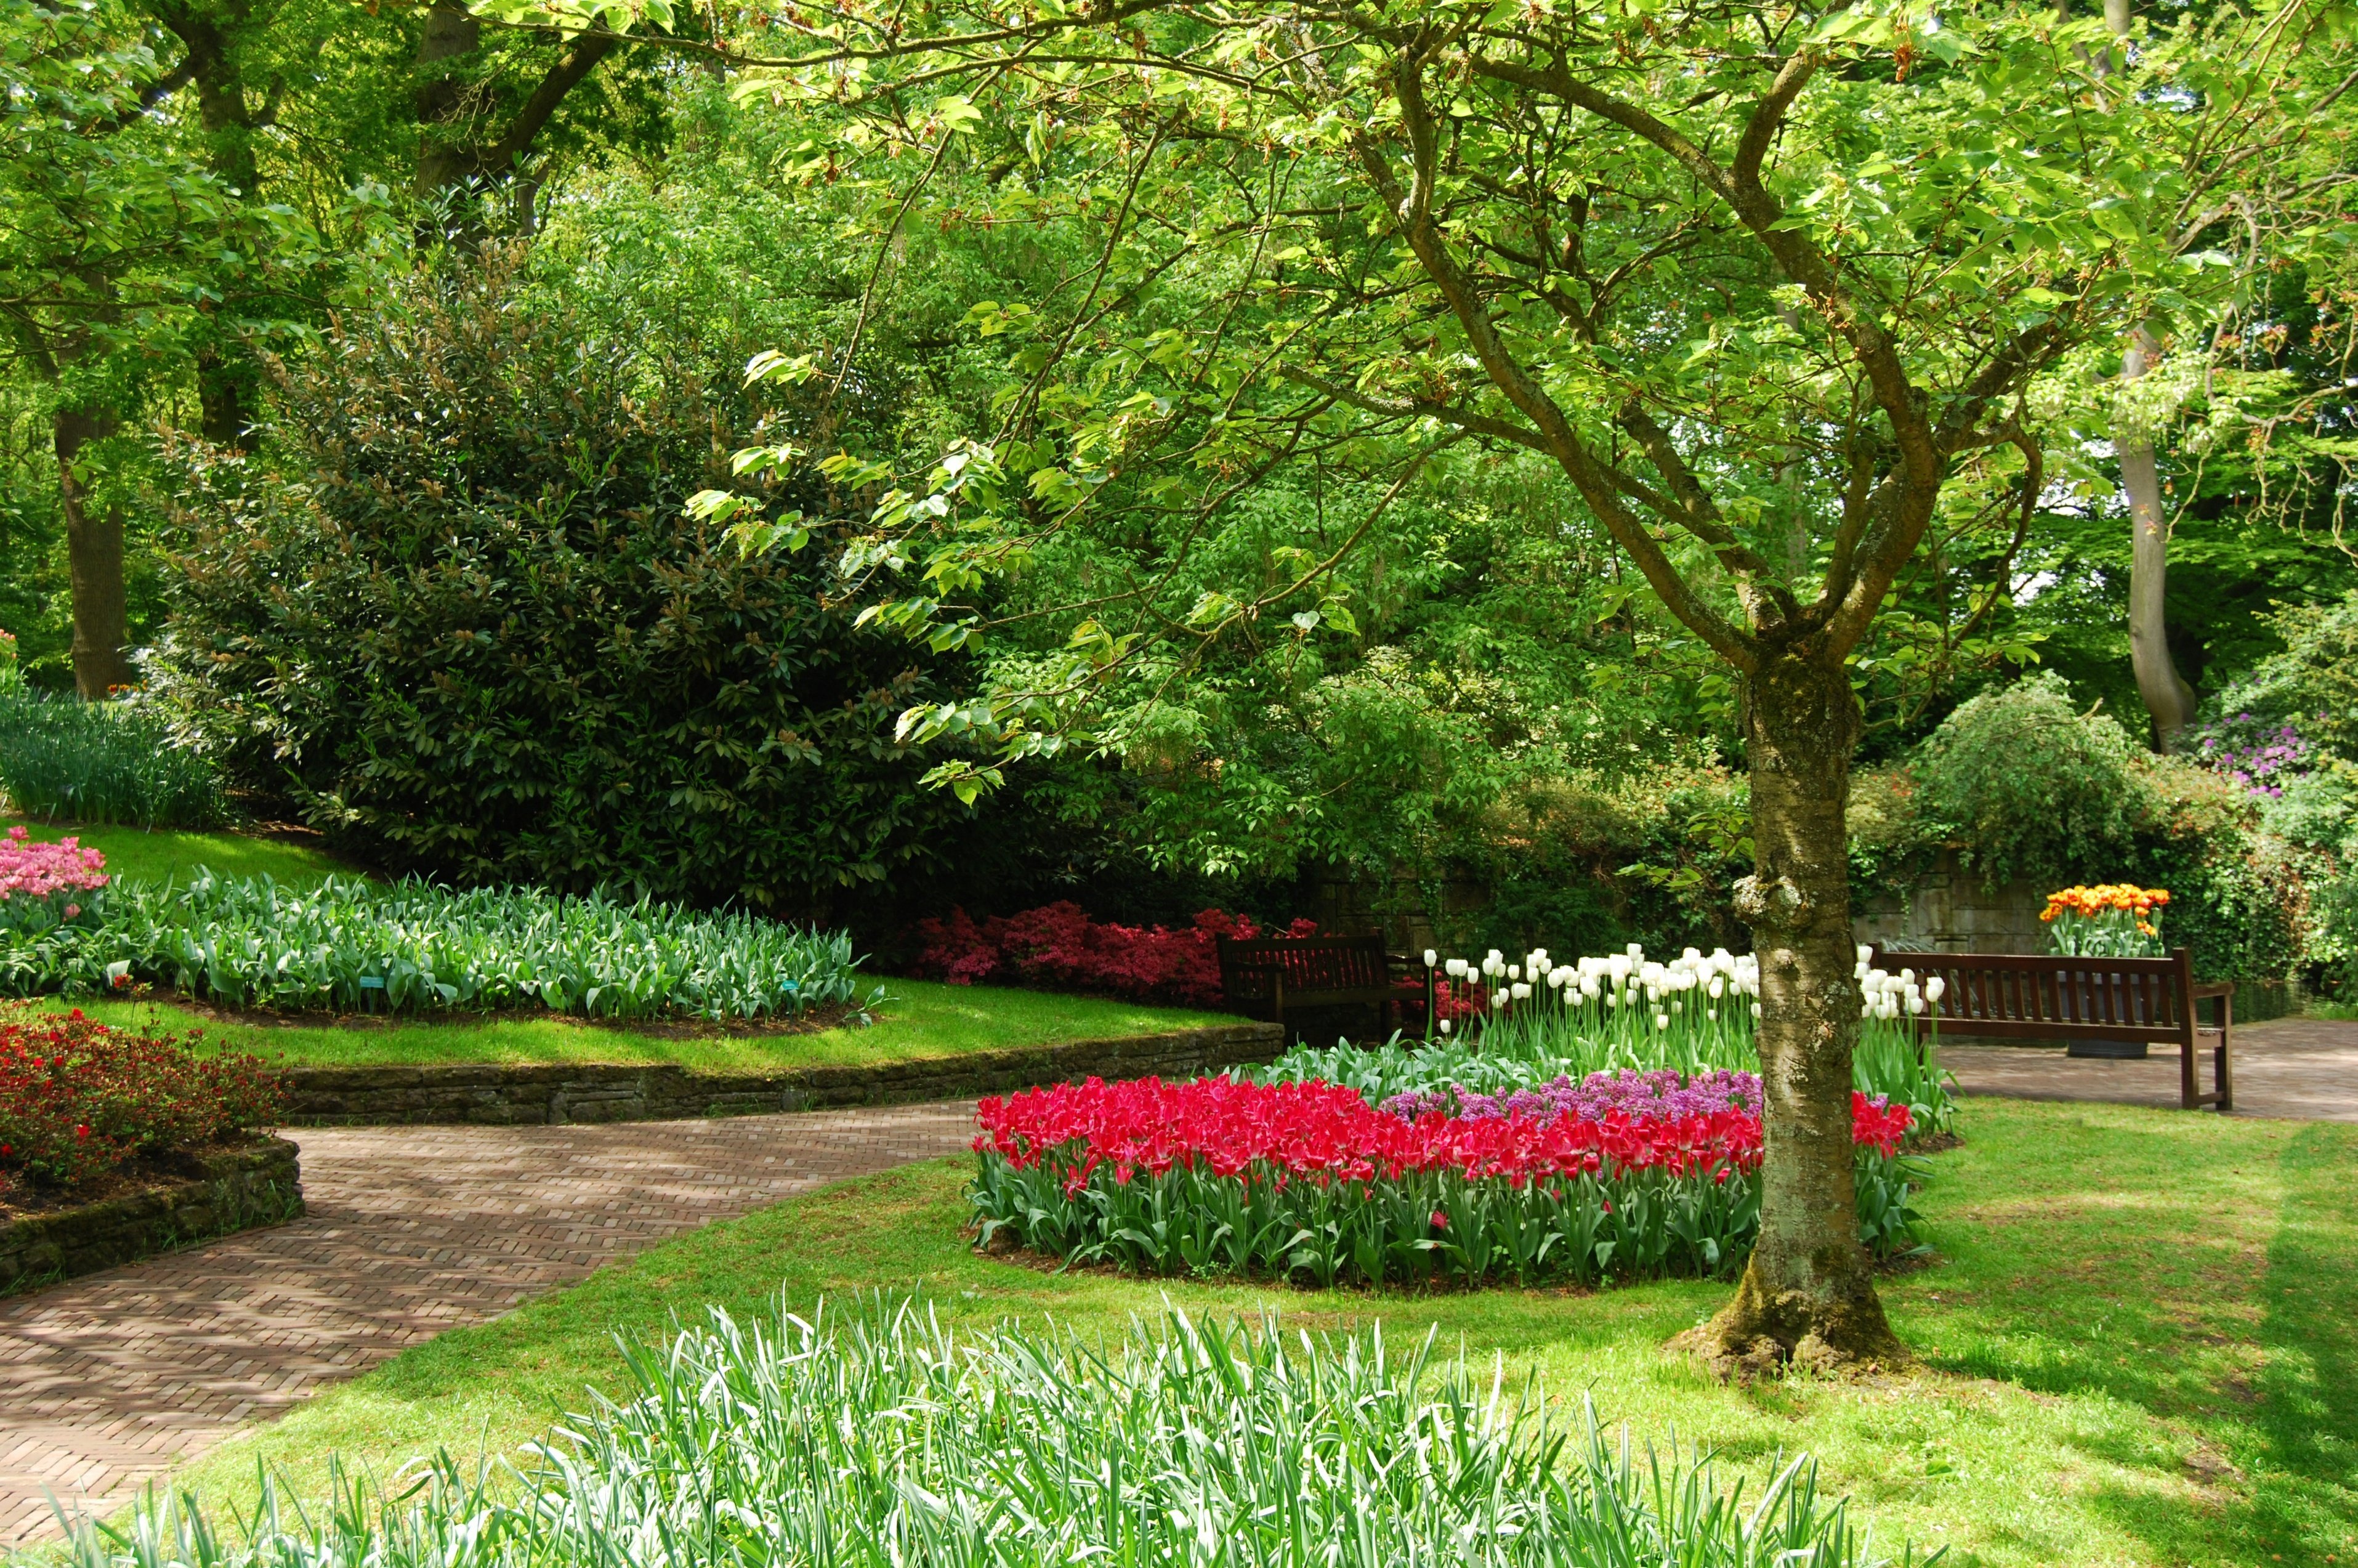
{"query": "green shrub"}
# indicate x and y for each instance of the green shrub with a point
(456, 613)
(357, 946)
(63, 758)
(887, 1439)
(2025, 784)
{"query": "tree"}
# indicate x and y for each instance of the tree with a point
(1777, 289)
(100, 214)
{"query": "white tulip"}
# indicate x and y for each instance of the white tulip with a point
(1445, 1026)
(1521, 990)
(1718, 988)
(1499, 999)
(1430, 957)
(1661, 1021)
(1756, 1009)
(1712, 1013)
(1864, 952)
(1455, 968)
(1934, 988)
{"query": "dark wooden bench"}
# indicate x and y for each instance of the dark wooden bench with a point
(2007, 996)
(1263, 977)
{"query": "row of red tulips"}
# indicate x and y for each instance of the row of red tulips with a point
(1307, 1181)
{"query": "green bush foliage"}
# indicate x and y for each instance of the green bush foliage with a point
(358, 946)
(2020, 784)
(457, 614)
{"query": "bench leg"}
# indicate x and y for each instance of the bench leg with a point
(2190, 1086)
(2221, 1073)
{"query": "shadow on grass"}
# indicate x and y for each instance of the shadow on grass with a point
(2205, 1271)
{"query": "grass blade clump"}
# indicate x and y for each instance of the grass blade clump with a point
(351, 945)
(886, 1441)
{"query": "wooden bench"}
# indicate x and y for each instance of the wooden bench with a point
(2007, 996)
(1264, 976)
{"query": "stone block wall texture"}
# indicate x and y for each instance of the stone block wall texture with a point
(259, 1184)
(1951, 911)
(588, 1092)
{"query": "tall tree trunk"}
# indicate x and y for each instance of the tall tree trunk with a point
(2167, 696)
(2168, 699)
(95, 560)
(1807, 1294)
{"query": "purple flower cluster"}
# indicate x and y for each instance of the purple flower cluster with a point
(1664, 1093)
(2253, 758)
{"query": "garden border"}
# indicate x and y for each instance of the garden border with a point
(240, 1189)
(508, 1094)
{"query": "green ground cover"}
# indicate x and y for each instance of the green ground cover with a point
(140, 854)
(2135, 1348)
(918, 1018)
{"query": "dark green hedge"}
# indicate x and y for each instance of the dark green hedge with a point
(455, 614)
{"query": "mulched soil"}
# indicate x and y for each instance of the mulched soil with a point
(25, 1200)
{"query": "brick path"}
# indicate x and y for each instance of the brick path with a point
(2302, 1068)
(112, 1378)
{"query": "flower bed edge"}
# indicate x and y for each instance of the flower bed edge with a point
(578, 1092)
(240, 1188)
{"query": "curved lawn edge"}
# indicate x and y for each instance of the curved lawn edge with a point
(560, 1093)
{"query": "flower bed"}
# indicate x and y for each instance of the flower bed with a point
(46, 885)
(357, 946)
(79, 1100)
(1308, 1181)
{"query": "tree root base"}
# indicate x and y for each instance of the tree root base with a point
(1764, 1335)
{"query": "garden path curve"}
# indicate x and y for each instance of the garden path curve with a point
(2303, 1069)
(112, 1379)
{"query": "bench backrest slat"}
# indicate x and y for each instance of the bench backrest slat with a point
(1312, 966)
(2046, 996)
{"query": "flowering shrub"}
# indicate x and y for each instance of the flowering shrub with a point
(2113, 920)
(1059, 946)
(77, 1097)
(44, 885)
(2258, 756)
(1308, 1180)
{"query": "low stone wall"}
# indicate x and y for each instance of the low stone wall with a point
(239, 1189)
(585, 1092)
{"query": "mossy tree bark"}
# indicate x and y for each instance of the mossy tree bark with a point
(1807, 1294)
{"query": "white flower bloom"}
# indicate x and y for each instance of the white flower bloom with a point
(1661, 1021)
(1445, 1026)
(1864, 953)
(1934, 988)
(1498, 998)
(1718, 988)
(1712, 1013)
(1455, 968)
(1430, 957)
(1915, 1003)
(1756, 1009)
(1520, 991)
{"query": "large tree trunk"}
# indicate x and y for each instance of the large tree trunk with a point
(2167, 697)
(1807, 1294)
(94, 561)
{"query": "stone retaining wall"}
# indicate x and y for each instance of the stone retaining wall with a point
(239, 1189)
(588, 1092)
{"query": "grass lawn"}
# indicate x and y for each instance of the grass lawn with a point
(2136, 1349)
(920, 1019)
(140, 854)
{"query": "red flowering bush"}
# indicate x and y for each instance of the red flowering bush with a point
(1308, 1180)
(1058, 946)
(79, 1098)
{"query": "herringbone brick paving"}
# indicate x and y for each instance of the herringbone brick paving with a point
(112, 1379)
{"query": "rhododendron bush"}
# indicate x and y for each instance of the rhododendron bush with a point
(79, 1098)
(1058, 947)
(1307, 1181)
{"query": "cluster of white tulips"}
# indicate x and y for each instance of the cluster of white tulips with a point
(1710, 1002)
(1889, 996)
